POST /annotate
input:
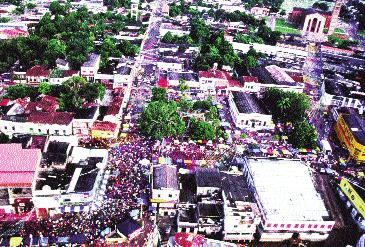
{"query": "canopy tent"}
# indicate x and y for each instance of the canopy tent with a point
(15, 241)
(78, 239)
(144, 162)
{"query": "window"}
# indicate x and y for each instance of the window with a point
(329, 226)
(275, 225)
(39, 130)
(296, 225)
(64, 132)
(268, 225)
(235, 226)
(6, 127)
(315, 226)
(288, 225)
(302, 226)
(170, 195)
(282, 225)
(310, 226)
(57, 132)
(158, 195)
(13, 128)
(322, 226)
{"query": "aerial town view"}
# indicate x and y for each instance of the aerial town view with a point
(182, 123)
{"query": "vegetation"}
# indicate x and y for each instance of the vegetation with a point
(247, 39)
(201, 130)
(286, 106)
(291, 107)
(354, 10)
(68, 35)
(21, 91)
(159, 94)
(4, 138)
(175, 39)
(283, 26)
(336, 41)
(4, 19)
(321, 6)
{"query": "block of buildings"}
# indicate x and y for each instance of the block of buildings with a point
(90, 68)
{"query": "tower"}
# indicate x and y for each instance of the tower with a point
(334, 18)
(134, 9)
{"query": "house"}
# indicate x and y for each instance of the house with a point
(58, 76)
(18, 169)
(259, 11)
(173, 29)
(247, 112)
(170, 64)
(37, 74)
(90, 68)
(165, 189)
(84, 120)
(62, 64)
(122, 77)
(104, 130)
(114, 111)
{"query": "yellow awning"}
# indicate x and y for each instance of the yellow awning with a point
(188, 161)
(123, 135)
(275, 152)
(203, 162)
(161, 160)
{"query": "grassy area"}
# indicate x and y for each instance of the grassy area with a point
(284, 27)
(339, 30)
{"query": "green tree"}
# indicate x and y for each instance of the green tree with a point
(182, 86)
(201, 130)
(159, 94)
(303, 135)
(30, 5)
(184, 104)
(93, 91)
(44, 88)
(321, 6)
(4, 138)
(160, 119)
(55, 49)
(57, 9)
(168, 38)
(17, 91)
(199, 30)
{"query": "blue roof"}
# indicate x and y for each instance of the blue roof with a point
(127, 227)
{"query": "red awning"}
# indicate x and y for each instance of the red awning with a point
(162, 82)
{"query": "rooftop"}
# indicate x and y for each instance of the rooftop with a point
(86, 113)
(104, 126)
(165, 176)
(60, 118)
(91, 60)
(247, 103)
(211, 210)
(17, 165)
(235, 187)
(215, 74)
(286, 191)
(37, 70)
(208, 177)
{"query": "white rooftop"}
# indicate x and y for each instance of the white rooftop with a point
(286, 190)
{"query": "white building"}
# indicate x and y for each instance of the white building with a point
(170, 64)
(247, 113)
(241, 216)
(81, 170)
(287, 199)
(165, 189)
(173, 29)
(90, 68)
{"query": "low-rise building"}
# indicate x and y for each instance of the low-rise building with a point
(165, 189)
(18, 171)
(259, 11)
(69, 177)
(350, 129)
(170, 64)
(210, 79)
(104, 130)
(90, 68)
(247, 112)
(37, 74)
(58, 76)
(84, 120)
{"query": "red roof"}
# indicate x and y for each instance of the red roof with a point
(104, 126)
(162, 82)
(37, 71)
(60, 118)
(335, 49)
(234, 83)
(250, 79)
(215, 74)
(17, 165)
(114, 107)
(4, 102)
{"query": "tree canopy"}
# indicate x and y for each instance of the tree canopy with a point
(160, 119)
(159, 94)
(303, 135)
(201, 130)
(286, 106)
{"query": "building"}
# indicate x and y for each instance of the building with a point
(104, 130)
(170, 64)
(84, 120)
(90, 68)
(241, 215)
(18, 169)
(123, 232)
(210, 80)
(247, 112)
(37, 74)
(62, 64)
(165, 189)
(58, 76)
(259, 11)
(70, 177)
(173, 29)
(122, 77)
(350, 129)
(271, 76)
(287, 200)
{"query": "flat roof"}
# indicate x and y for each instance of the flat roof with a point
(165, 176)
(91, 60)
(286, 191)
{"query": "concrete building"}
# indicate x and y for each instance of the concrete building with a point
(247, 113)
(287, 199)
(90, 68)
(165, 189)
(18, 171)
